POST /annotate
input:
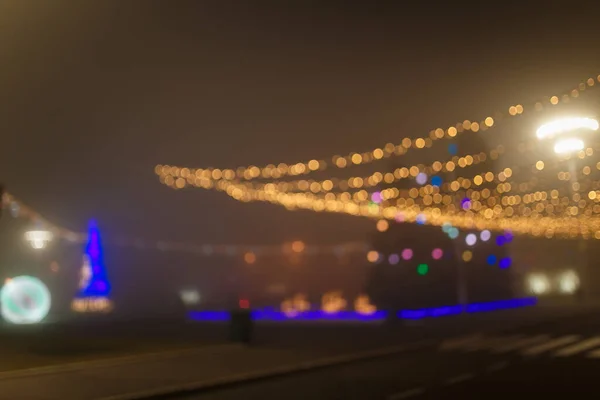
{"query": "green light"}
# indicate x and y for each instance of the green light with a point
(422, 269)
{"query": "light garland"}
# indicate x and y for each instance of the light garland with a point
(280, 170)
(489, 218)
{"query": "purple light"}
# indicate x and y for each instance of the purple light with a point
(407, 254)
(465, 203)
(376, 197)
(437, 253)
(394, 259)
(421, 178)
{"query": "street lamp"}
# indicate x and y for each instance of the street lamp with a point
(38, 239)
(565, 131)
(568, 134)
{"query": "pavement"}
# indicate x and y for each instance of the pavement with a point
(560, 357)
(368, 361)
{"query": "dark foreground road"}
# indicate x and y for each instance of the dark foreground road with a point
(557, 358)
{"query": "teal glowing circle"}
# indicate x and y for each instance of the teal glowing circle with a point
(25, 300)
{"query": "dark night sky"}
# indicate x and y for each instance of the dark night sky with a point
(95, 93)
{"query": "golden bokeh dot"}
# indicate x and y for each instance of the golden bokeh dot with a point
(250, 258)
(489, 121)
(372, 256)
(554, 100)
(298, 246)
(382, 225)
(539, 165)
(467, 255)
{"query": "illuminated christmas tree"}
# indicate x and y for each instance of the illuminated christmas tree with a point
(94, 287)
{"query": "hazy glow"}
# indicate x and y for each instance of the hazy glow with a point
(570, 145)
(538, 284)
(394, 259)
(189, 296)
(363, 306)
(485, 235)
(565, 125)
(333, 302)
(437, 254)
(568, 282)
(421, 178)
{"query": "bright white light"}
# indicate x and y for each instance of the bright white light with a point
(568, 282)
(190, 297)
(421, 178)
(471, 239)
(566, 125)
(38, 239)
(538, 284)
(566, 146)
(485, 235)
(25, 300)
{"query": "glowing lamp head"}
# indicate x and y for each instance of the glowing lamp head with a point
(568, 282)
(38, 239)
(538, 284)
(566, 146)
(564, 125)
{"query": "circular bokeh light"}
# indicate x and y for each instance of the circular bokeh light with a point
(446, 226)
(372, 256)
(500, 240)
(467, 256)
(453, 233)
(421, 178)
(485, 235)
(421, 219)
(400, 217)
(437, 253)
(25, 300)
(422, 269)
(471, 239)
(492, 259)
(394, 259)
(376, 197)
(407, 254)
(382, 225)
(505, 263)
(452, 148)
(436, 181)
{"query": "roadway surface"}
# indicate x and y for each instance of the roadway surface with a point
(559, 358)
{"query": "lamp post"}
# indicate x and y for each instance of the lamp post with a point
(568, 135)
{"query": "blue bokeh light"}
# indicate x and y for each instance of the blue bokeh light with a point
(453, 148)
(436, 181)
(492, 259)
(500, 240)
(505, 263)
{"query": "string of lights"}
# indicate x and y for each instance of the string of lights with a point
(273, 171)
(488, 218)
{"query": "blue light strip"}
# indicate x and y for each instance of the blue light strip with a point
(272, 315)
(470, 308)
